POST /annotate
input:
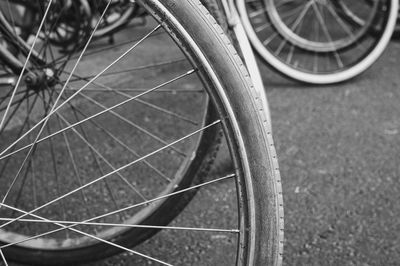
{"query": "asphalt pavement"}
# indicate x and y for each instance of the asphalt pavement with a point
(339, 149)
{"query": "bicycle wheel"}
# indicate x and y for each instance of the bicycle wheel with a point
(91, 176)
(396, 33)
(319, 42)
(40, 86)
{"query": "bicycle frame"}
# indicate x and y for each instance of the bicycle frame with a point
(6, 56)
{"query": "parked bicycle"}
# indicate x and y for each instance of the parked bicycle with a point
(104, 144)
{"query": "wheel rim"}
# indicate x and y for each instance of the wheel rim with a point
(314, 10)
(320, 67)
(101, 100)
(190, 103)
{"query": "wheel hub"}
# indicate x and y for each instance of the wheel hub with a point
(40, 79)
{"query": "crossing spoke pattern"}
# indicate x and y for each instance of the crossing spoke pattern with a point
(307, 38)
(103, 142)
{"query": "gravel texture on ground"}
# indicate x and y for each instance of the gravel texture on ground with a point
(338, 148)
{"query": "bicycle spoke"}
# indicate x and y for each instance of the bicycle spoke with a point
(153, 106)
(301, 16)
(21, 187)
(269, 25)
(75, 169)
(16, 102)
(32, 162)
(117, 170)
(327, 34)
(179, 228)
(3, 258)
(340, 21)
(25, 123)
(57, 107)
(91, 236)
(11, 14)
(13, 94)
(153, 65)
(86, 119)
(105, 49)
(124, 136)
(3, 98)
(96, 152)
(45, 120)
(194, 187)
(26, 159)
(34, 182)
(66, 82)
(297, 24)
(254, 14)
(145, 131)
(57, 179)
(173, 91)
(19, 103)
(25, 64)
(120, 142)
(110, 65)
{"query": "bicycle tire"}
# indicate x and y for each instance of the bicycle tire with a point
(246, 128)
(396, 33)
(174, 205)
(215, 9)
(339, 73)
